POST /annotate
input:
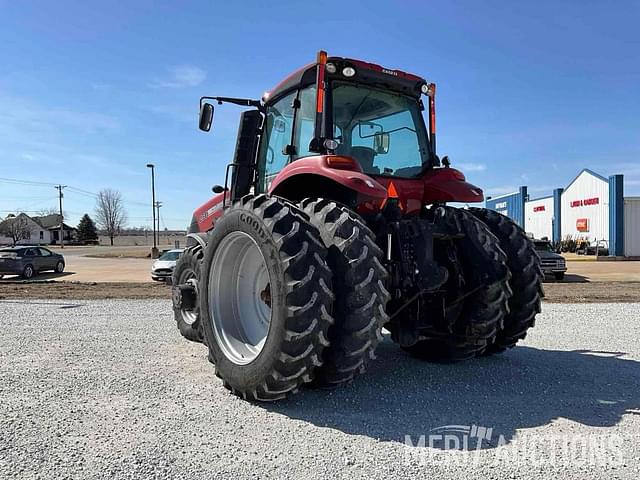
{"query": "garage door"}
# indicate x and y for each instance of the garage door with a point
(632, 226)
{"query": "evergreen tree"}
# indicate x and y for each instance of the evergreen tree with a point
(87, 230)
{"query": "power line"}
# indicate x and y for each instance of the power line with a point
(26, 182)
(77, 190)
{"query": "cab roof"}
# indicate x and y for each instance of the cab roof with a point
(367, 73)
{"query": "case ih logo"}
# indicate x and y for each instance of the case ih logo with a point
(585, 202)
(390, 72)
(539, 209)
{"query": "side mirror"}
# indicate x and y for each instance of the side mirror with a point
(206, 117)
(217, 189)
(381, 142)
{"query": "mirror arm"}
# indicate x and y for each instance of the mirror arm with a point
(244, 102)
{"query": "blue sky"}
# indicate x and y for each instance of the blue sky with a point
(528, 94)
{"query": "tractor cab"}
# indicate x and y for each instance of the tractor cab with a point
(352, 128)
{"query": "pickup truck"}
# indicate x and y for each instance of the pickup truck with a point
(552, 263)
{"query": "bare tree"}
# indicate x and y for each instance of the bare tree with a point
(110, 212)
(16, 228)
(43, 212)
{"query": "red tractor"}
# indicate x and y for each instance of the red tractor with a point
(333, 224)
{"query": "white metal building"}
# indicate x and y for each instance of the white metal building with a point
(591, 208)
(585, 207)
(538, 217)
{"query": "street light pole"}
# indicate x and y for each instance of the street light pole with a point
(154, 252)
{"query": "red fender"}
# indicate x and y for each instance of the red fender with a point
(342, 170)
(436, 185)
(449, 185)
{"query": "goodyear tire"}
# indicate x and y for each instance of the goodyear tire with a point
(526, 278)
(265, 298)
(361, 298)
(187, 270)
(477, 290)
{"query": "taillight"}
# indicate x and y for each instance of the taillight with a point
(342, 163)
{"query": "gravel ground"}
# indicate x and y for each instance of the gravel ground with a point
(108, 389)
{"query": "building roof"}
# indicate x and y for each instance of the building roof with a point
(51, 222)
(504, 195)
(590, 172)
(539, 198)
(47, 221)
(13, 217)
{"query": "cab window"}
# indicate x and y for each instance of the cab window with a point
(278, 133)
(305, 122)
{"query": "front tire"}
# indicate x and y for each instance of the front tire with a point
(265, 299)
(187, 270)
(358, 283)
(59, 267)
(526, 278)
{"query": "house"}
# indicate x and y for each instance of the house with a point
(43, 230)
(51, 223)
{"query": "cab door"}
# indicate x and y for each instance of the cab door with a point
(275, 145)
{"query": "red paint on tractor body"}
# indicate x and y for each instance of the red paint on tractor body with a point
(436, 185)
(209, 212)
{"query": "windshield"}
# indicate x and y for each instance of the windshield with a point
(170, 256)
(544, 247)
(383, 130)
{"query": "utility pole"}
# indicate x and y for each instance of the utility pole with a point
(60, 195)
(154, 251)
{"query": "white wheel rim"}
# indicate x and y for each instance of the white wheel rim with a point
(189, 276)
(240, 298)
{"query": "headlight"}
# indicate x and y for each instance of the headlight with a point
(348, 72)
(331, 68)
(331, 144)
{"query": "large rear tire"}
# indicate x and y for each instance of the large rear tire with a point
(187, 270)
(265, 298)
(477, 290)
(526, 278)
(361, 297)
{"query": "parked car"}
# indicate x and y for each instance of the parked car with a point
(589, 248)
(552, 262)
(162, 268)
(28, 261)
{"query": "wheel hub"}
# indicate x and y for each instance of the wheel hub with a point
(184, 296)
